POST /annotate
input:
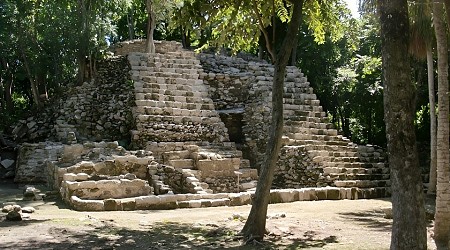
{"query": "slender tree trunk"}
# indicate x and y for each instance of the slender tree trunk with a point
(33, 84)
(431, 96)
(83, 45)
(6, 86)
(255, 226)
(442, 215)
(130, 21)
(408, 227)
(294, 52)
(151, 24)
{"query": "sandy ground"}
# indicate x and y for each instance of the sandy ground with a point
(345, 224)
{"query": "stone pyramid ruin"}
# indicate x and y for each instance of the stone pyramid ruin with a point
(195, 126)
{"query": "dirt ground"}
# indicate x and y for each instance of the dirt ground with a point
(345, 224)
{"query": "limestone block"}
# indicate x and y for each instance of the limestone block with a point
(168, 198)
(289, 195)
(111, 205)
(321, 193)
(190, 204)
(345, 193)
(146, 202)
(239, 199)
(86, 205)
(193, 196)
(70, 177)
(82, 177)
(128, 204)
(220, 202)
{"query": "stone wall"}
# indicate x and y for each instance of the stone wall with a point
(97, 110)
(138, 45)
(296, 169)
(32, 160)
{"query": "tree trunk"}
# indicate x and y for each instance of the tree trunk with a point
(33, 84)
(6, 86)
(130, 21)
(408, 227)
(431, 96)
(255, 226)
(151, 24)
(83, 44)
(442, 215)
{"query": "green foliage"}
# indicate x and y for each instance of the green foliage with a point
(46, 36)
(346, 75)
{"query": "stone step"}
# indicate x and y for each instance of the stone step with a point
(187, 109)
(181, 54)
(175, 155)
(174, 98)
(151, 120)
(289, 112)
(338, 170)
(352, 164)
(145, 93)
(182, 163)
(151, 111)
(288, 107)
(336, 159)
(172, 75)
(183, 134)
(173, 65)
(362, 183)
(166, 81)
(174, 60)
(192, 85)
(296, 101)
(297, 126)
(312, 137)
(188, 71)
(298, 87)
(177, 104)
(345, 176)
(299, 133)
(330, 150)
(299, 96)
(318, 143)
(307, 119)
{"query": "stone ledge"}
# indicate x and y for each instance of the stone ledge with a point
(174, 201)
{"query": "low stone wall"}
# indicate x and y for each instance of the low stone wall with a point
(174, 201)
(36, 161)
(93, 190)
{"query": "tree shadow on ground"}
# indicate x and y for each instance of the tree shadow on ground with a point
(158, 236)
(372, 219)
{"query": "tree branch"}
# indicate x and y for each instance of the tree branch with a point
(264, 31)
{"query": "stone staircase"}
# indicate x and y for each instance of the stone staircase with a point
(306, 128)
(176, 120)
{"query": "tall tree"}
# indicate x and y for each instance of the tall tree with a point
(408, 229)
(442, 215)
(255, 226)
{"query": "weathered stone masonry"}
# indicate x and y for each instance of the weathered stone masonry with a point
(197, 123)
